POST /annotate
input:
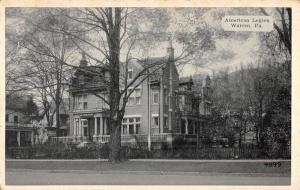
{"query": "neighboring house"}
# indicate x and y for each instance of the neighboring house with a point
(161, 110)
(63, 118)
(18, 126)
(244, 131)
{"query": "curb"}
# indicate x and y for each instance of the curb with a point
(152, 173)
(138, 160)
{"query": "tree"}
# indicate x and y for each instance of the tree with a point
(37, 72)
(104, 35)
(284, 28)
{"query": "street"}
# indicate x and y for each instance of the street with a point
(84, 178)
(74, 172)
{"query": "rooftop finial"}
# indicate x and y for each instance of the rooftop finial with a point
(83, 62)
(83, 56)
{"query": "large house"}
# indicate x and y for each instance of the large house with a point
(162, 110)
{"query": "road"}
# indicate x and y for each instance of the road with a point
(19, 173)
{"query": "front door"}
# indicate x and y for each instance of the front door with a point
(84, 124)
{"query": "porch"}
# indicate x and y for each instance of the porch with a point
(19, 134)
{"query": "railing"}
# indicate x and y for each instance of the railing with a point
(102, 138)
(67, 139)
(128, 138)
(103, 108)
(12, 124)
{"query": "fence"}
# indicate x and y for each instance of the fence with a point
(60, 150)
(210, 153)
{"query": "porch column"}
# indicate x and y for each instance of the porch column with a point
(101, 125)
(79, 128)
(74, 128)
(186, 126)
(134, 129)
(105, 126)
(32, 138)
(95, 127)
(19, 138)
(194, 127)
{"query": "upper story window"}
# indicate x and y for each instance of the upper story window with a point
(16, 119)
(130, 74)
(166, 97)
(81, 79)
(82, 102)
(135, 96)
(155, 97)
(101, 103)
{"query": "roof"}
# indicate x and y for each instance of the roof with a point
(18, 103)
(63, 107)
(185, 80)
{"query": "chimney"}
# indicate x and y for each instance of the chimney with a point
(207, 81)
(83, 62)
(170, 49)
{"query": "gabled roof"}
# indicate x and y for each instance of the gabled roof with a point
(17, 103)
(186, 80)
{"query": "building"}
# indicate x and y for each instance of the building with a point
(18, 125)
(162, 110)
(63, 119)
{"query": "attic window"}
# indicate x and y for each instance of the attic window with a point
(129, 74)
(81, 79)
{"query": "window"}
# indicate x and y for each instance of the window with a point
(165, 121)
(77, 126)
(131, 100)
(135, 97)
(85, 131)
(81, 79)
(137, 128)
(84, 105)
(155, 121)
(131, 125)
(166, 97)
(16, 119)
(129, 74)
(155, 96)
(101, 103)
(138, 96)
(82, 102)
(131, 129)
(6, 117)
(124, 129)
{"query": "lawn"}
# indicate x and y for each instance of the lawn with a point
(174, 166)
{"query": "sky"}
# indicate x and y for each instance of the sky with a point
(229, 53)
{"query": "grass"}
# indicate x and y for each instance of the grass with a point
(205, 167)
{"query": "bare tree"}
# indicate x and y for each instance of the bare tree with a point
(103, 35)
(284, 27)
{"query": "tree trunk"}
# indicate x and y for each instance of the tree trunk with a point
(57, 118)
(115, 141)
(57, 102)
(115, 114)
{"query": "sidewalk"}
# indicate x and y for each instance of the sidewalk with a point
(149, 160)
(122, 172)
